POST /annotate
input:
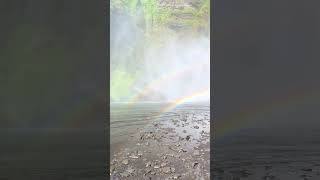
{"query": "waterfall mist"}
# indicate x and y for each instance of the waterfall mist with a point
(146, 70)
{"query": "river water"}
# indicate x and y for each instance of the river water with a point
(127, 120)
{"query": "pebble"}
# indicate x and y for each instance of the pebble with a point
(148, 164)
(196, 127)
(166, 170)
(125, 174)
(188, 138)
(125, 161)
(173, 170)
(148, 170)
(133, 157)
(130, 171)
(194, 164)
(163, 164)
(176, 176)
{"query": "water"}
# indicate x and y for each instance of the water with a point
(128, 120)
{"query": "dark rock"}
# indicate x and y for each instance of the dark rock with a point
(188, 138)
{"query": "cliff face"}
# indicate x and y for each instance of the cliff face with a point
(53, 58)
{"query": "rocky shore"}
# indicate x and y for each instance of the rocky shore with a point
(174, 146)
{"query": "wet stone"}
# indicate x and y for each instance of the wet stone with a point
(163, 164)
(173, 170)
(188, 138)
(184, 131)
(176, 176)
(194, 164)
(125, 161)
(166, 170)
(133, 157)
(124, 174)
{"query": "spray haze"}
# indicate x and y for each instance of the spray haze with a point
(162, 66)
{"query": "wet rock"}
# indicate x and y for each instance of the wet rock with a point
(130, 171)
(176, 176)
(188, 137)
(173, 170)
(166, 170)
(148, 164)
(125, 161)
(124, 174)
(133, 157)
(164, 157)
(148, 170)
(163, 164)
(194, 164)
(182, 150)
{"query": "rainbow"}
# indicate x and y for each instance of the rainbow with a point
(179, 101)
(245, 117)
(185, 99)
(165, 78)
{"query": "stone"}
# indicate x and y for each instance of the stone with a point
(163, 164)
(130, 171)
(148, 164)
(166, 170)
(184, 131)
(133, 157)
(176, 176)
(125, 161)
(124, 174)
(194, 164)
(173, 169)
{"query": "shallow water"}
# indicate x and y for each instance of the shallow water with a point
(127, 120)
